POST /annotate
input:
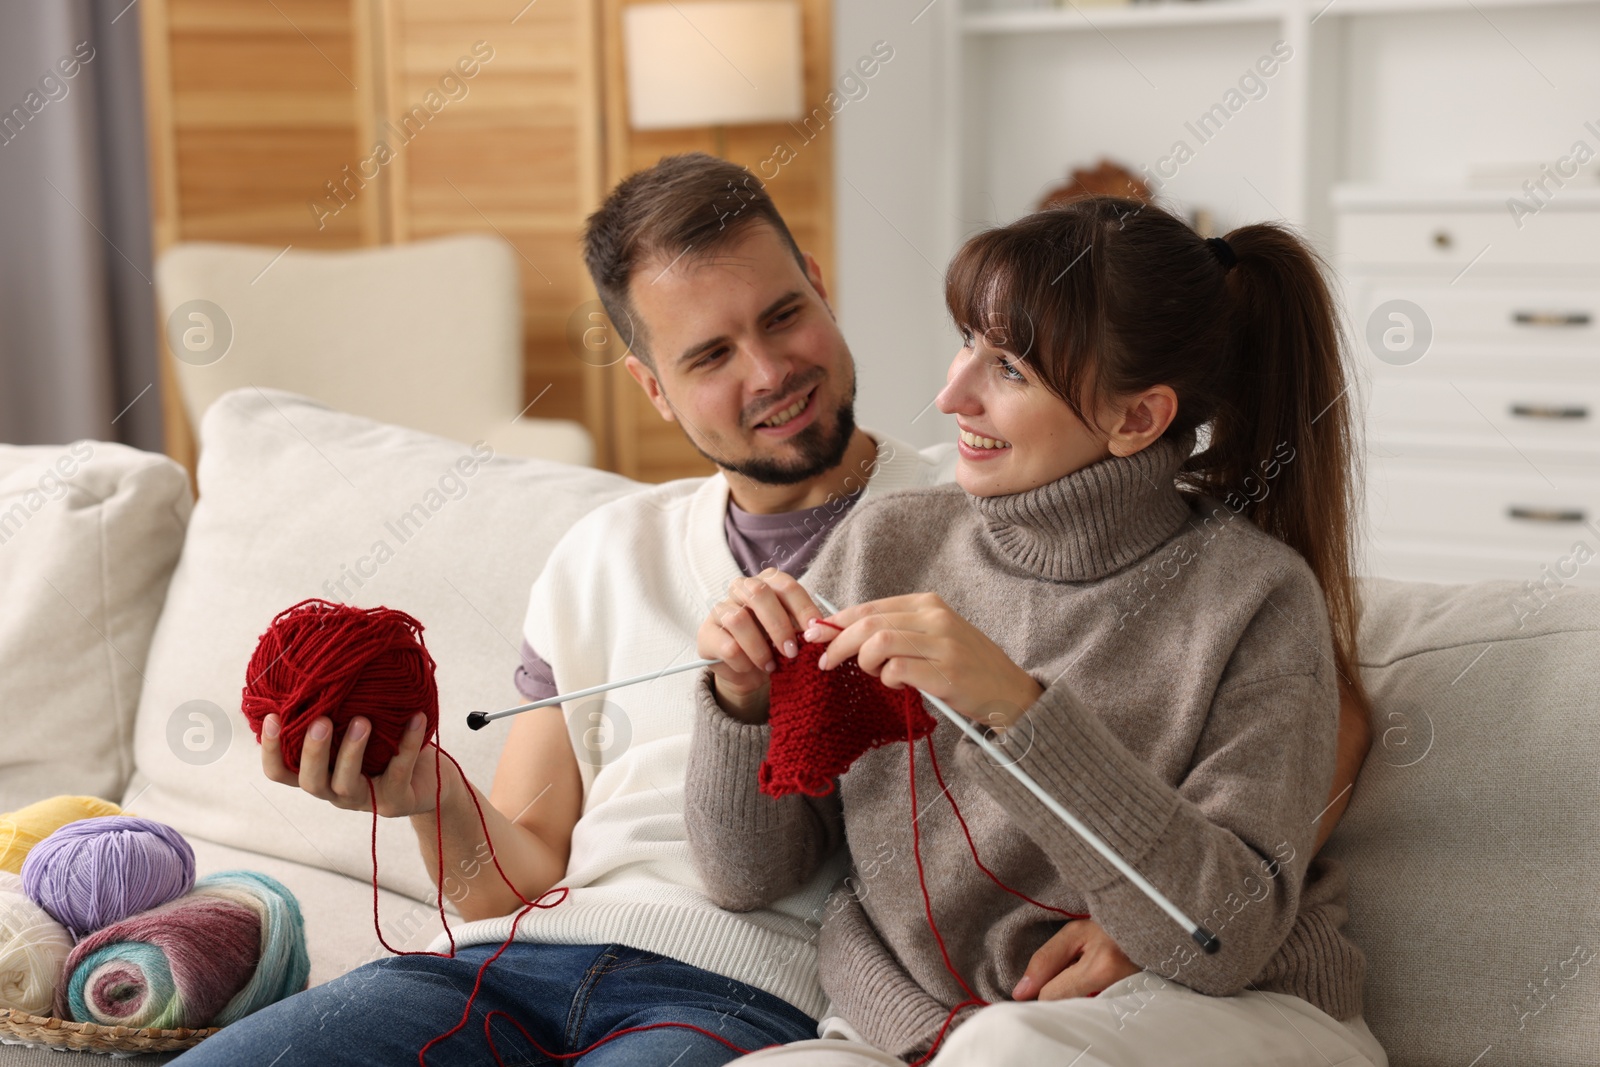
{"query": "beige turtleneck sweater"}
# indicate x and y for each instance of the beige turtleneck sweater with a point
(1189, 717)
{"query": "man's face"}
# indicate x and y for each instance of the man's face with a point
(739, 337)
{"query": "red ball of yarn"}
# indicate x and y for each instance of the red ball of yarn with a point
(319, 658)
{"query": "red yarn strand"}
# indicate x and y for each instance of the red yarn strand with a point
(609, 1037)
(321, 659)
(973, 848)
(927, 901)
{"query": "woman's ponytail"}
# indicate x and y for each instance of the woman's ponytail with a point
(1292, 402)
(1117, 296)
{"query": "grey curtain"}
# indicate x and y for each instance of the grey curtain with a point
(77, 307)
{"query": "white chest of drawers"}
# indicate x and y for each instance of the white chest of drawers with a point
(1477, 347)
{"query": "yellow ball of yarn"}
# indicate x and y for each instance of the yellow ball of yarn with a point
(22, 829)
(33, 951)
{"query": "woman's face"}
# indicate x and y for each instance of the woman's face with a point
(1015, 434)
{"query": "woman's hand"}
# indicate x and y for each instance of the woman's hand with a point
(760, 614)
(406, 786)
(919, 640)
(1079, 961)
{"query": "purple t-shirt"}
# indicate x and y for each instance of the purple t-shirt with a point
(788, 541)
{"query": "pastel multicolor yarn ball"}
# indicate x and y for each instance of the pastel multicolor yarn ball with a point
(232, 946)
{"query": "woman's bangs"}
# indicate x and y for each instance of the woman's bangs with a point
(986, 294)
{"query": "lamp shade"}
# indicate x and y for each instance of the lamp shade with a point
(712, 63)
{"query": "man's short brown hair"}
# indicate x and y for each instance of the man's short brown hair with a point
(686, 204)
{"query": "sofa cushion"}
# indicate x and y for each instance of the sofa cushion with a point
(1473, 833)
(89, 534)
(298, 500)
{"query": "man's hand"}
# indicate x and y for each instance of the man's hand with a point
(1079, 961)
(406, 786)
(760, 614)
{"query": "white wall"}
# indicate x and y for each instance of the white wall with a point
(890, 249)
(1046, 104)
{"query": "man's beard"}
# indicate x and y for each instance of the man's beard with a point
(819, 452)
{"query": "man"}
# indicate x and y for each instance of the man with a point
(733, 338)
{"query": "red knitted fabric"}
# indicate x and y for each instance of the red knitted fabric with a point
(823, 721)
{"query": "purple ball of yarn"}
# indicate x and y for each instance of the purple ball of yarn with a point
(94, 872)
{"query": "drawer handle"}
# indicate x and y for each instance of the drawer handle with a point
(1551, 318)
(1546, 514)
(1548, 411)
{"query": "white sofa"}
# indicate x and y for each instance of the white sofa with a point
(1471, 840)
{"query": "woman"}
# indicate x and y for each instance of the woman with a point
(1155, 635)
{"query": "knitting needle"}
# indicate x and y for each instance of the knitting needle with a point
(477, 720)
(1206, 938)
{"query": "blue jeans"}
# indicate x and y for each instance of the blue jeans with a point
(566, 996)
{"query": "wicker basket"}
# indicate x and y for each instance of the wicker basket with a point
(121, 1041)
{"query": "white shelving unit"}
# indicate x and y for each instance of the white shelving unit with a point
(1479, 349)
(1031, 90)
(1140, 16)
(1005, 18)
